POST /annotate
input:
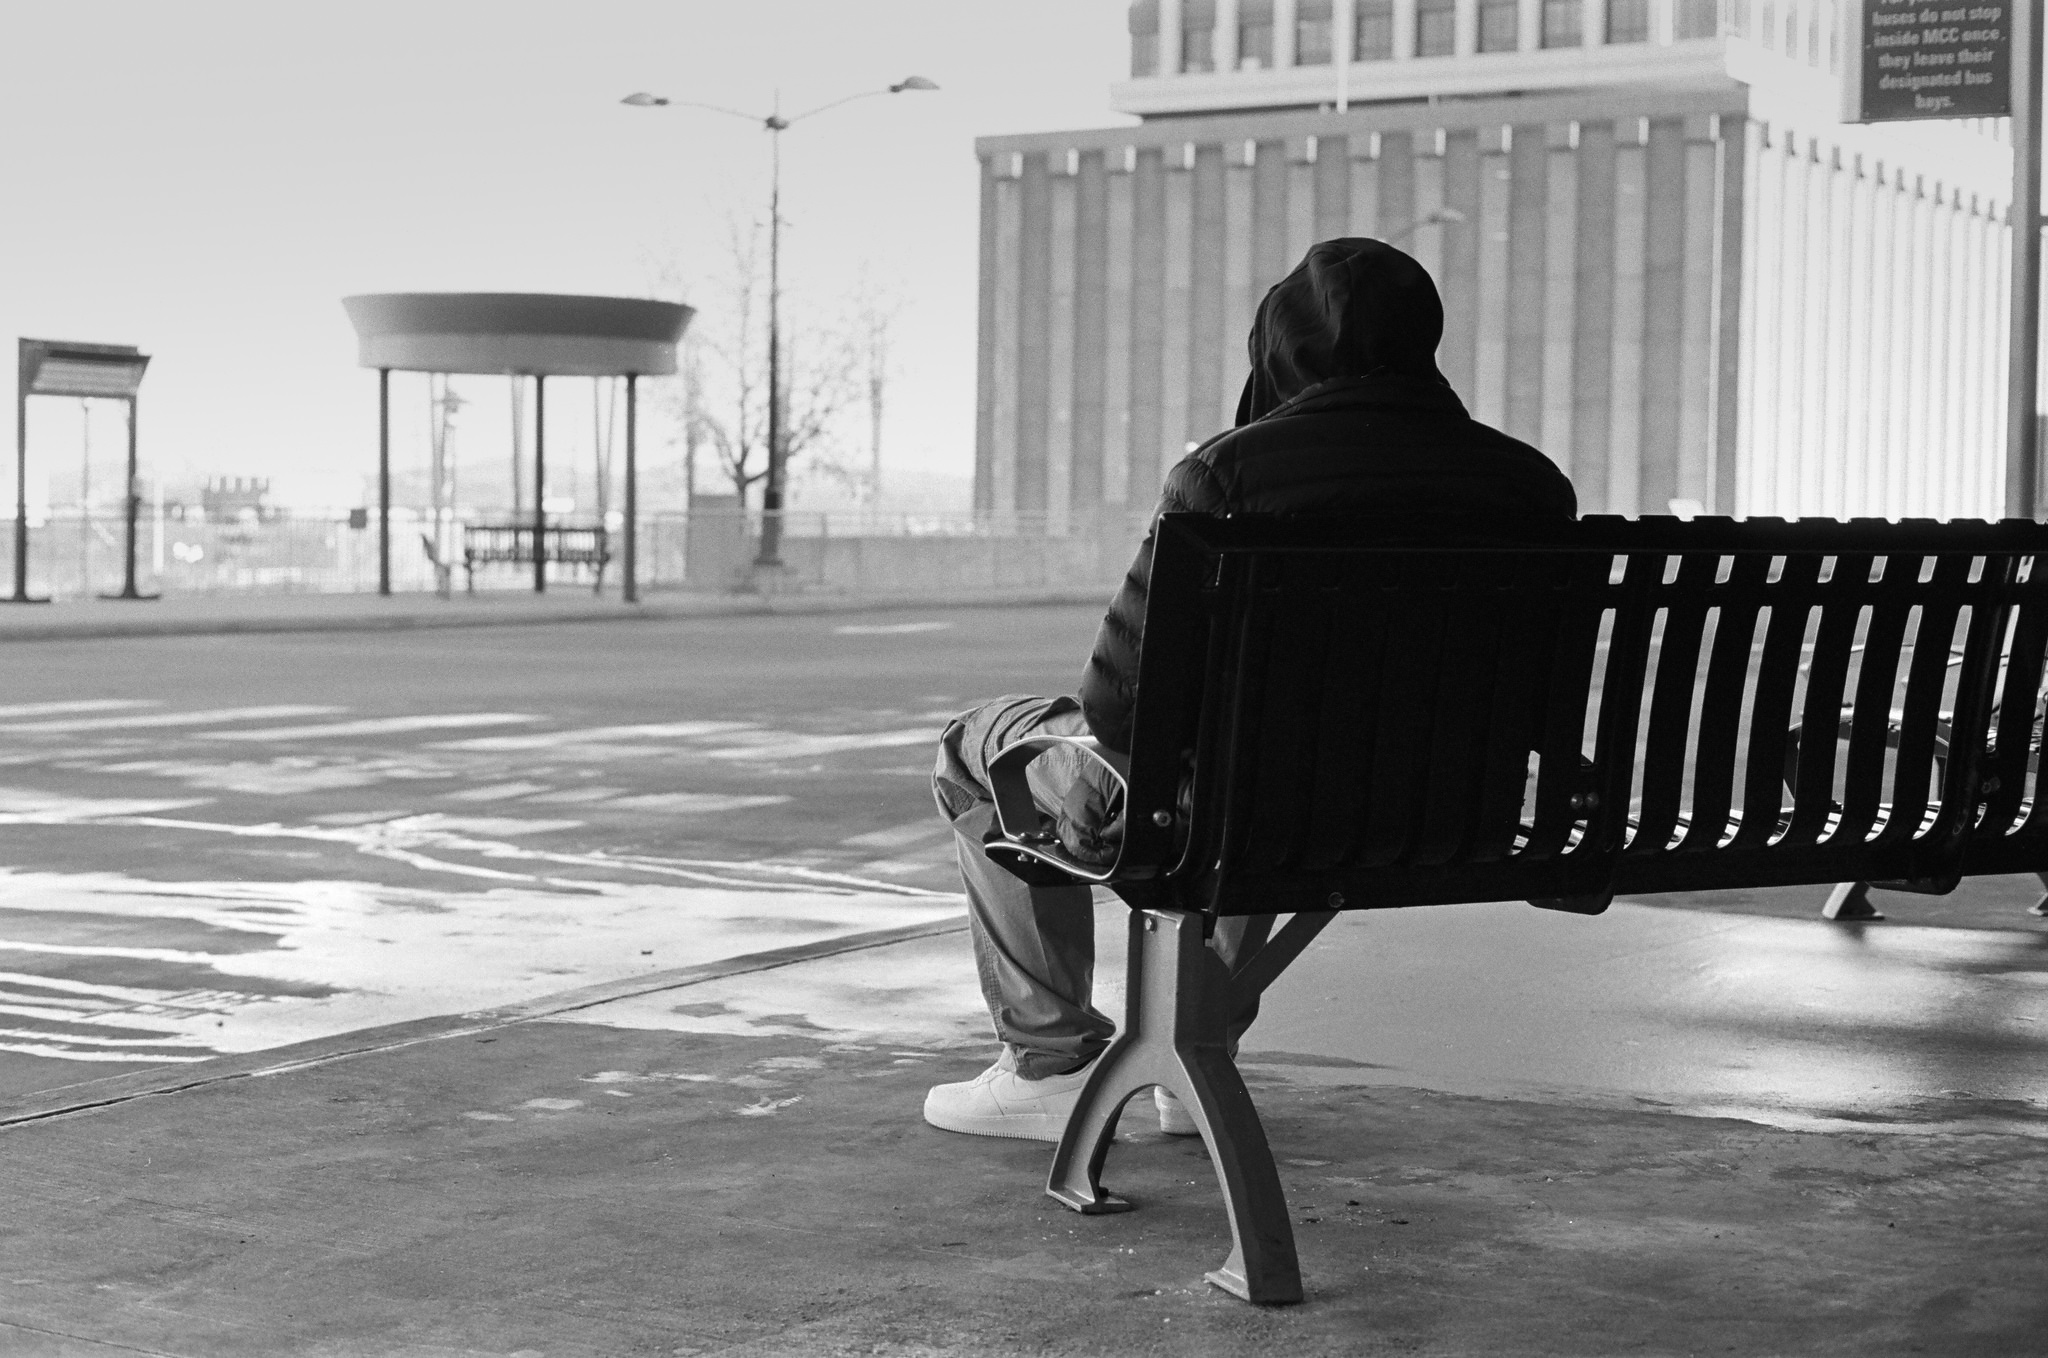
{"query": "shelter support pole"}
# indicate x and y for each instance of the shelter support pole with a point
(2022, 406)
(540, 483)
(20, 595)
(632, 580)
(132, 507)
(384, 480)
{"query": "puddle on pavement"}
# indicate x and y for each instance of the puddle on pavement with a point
(112, 968)
(1794, 1023)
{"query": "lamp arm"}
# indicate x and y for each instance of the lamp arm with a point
(754, 118)
(847, 99)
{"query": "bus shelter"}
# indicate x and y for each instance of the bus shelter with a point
(518, 335)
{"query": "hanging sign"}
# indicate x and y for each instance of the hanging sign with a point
(1910, 59)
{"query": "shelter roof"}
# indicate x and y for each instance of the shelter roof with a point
(548, 334)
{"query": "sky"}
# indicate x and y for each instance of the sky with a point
(208, 179)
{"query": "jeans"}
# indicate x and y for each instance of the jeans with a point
(1034, 947)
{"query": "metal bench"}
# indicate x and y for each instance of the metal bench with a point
(486, 544)
(1352, 714)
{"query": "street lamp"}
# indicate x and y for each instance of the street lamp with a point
(771, 493)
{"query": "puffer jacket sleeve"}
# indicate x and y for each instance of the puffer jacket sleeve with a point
(1109, 686)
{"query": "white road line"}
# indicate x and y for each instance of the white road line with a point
(72, 1054)
(380, 726)
(595, 735)
(85, 705)
(495, 792)
(152, 720)
(46, 1035)
(902, 836)
(580, 794)
(700, 802)
(894, 629)
(783, 745)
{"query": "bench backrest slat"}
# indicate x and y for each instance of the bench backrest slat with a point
(1400, 713)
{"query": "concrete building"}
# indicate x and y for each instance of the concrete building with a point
(1664, 258)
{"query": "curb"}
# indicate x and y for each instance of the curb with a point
(113, 1090)
(703, 606)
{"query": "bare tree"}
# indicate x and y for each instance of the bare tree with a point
(724, 390)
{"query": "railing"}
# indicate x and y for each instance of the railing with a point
(712, 550)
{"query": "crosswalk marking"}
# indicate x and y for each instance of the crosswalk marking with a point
(380, 726)
(153, 720)
(82, 705)
(592, 735)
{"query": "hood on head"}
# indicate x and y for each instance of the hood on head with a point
(1351, 306)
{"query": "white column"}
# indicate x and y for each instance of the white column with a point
(1490, 360)
(1560, 301)
(1009, 240)
(1758, 257)
(1283, 34)
(1301, 198)
(1225, 41)
(1343, 42)
(1625, 400)
(1178, 311)
(1059, 387)
(1238, 301)
(1529, 25)
(1169, 37)
(1696, 385)
(1594, 23)
(1404, 29)
(1116, 330)
(1467, 40)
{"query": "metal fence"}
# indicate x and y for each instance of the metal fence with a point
(710, 550)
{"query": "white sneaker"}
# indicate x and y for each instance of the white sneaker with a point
(1174, 1118)
(999, 1102)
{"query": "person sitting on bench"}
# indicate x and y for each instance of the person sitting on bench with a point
(1345, 412)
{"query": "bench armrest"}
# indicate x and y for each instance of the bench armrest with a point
(1027, 845)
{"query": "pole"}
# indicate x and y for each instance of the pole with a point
(2022, 414)
(771, 494)
(384, 481)
(133, 506)
(632, 583)
(540, 483)
(20, 595)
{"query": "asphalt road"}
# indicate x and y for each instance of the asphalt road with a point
(230, 843)
(225, 843)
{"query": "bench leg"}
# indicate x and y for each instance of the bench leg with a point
(1850, 901)
(1176, 1035)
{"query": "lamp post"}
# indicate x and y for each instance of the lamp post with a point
(770, 554)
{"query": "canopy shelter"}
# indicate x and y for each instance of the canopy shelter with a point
(88, 371)
(518, 334)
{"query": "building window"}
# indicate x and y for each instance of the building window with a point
(1564, 23)
(1436, 28)
(1255, 35)
(1497, 25)
(1697, 19)
(1628, 20)
(1198, 36)
(1312, 33)
(1767, 26)
(1144, 38)
(1373, 39)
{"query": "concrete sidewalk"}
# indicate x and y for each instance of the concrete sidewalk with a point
(213, 614)
(730, 1161)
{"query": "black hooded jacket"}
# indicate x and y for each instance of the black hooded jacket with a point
(1344, 412)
